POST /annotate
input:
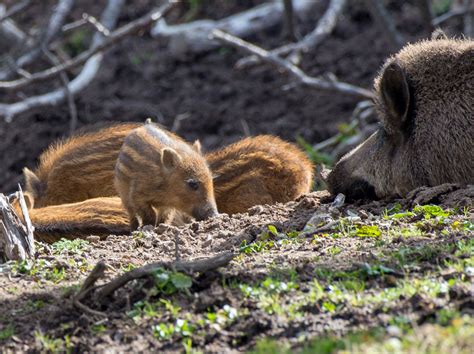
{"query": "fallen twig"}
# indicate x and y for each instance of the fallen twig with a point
(87, 19)
(13, 10)
(275, 60)
(10, 33)
(114, 37)
(89, 285)
(91, 66)
(70, 97)
(325, 215)
(323, 29)
(198, 265)
(89, 71)
(60, 12)
(193, 37)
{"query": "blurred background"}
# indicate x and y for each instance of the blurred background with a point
(193, 87)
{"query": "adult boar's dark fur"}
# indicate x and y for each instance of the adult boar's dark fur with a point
(425, 101)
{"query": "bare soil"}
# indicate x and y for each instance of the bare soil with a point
(36, 302)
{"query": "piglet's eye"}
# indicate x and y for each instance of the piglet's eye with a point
(193, 184)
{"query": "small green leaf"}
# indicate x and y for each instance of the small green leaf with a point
(368, 231)
(273, 230)
(181, 281)
(329, 306)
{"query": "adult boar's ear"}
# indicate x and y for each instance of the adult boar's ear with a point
(169, 158)
(395, 93)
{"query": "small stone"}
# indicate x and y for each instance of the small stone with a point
(394, 331)
(93, 239)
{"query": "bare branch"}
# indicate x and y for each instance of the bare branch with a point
(63, 8)
(194, 36)
(115, 37)
(70, 97)
(9, 31)
(385, 22)
(453, 13)
(12, 11)
(60, 12)
(92, 65)
(297, 73)
(87, 19)
(198, 265)
(109, 18)
(88, 285)
(323, 29)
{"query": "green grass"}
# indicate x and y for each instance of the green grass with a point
(456, 336)
(55, 345)
(65, 246)
(7, 333)
(40, 269)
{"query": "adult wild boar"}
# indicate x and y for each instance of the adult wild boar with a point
(425, 101)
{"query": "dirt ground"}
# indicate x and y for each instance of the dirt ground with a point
(379, 268)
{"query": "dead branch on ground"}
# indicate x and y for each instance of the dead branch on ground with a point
(114, 37)
(59, 14)
(193, 37)
(16, 237)
(10, 34)
(194, 266)
(87, 20)
(70, 97)
(323, 29)
(12, 11)
(89, 285)
(329, 85)
(101, 293)
(91, 59)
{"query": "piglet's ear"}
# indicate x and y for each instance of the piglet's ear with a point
(169, 158)
(197, 146)
(395, 93)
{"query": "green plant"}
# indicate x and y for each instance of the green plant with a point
(168, 282)
(368, 231)
(163, 331)
(432, 211)
(53, 344)
(76, 246)
(7, 333)
(317, 157)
